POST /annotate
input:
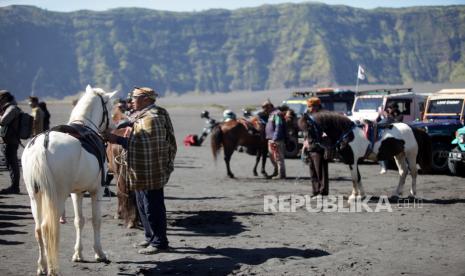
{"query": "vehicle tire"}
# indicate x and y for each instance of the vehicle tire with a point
(455, 168)
(440, 153)
(292, 148)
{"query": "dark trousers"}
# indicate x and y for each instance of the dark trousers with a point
(11, 157)
(152, 211)
(319, 173)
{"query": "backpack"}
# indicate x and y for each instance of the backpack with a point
(25, 125)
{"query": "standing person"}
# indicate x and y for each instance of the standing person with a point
(43, 107)
(151, 152)
(38, 116)
(318, 164)
(390, 116)
(9, 123)
(276, 134)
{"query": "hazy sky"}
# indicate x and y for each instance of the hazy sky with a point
(199, 5)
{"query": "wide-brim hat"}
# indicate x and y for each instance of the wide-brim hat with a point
(144, 91)
(267, 103)
(313, 101)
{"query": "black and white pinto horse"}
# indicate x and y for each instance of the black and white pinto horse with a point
(336, 132)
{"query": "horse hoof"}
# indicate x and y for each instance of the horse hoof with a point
(77, 259)
(101, 259)
(394, 198)
(41, 271)
(255, 174)
(231, 175)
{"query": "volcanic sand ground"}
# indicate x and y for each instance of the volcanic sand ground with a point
(217, 225)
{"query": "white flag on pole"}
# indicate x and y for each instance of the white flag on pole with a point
(361, 72)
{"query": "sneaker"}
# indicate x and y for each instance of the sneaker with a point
(142, 244)
(150, 250)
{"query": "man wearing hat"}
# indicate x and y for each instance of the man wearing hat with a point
(151, 150)
(9, 123)
(317, 163)
(37, 115)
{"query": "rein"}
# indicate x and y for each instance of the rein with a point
(105, 117)
(318, 133)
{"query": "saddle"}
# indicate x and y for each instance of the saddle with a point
(249, 126)
(89, 139)
(374, 131)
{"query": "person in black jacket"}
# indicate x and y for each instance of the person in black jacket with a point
(43, 106)
(9, 124)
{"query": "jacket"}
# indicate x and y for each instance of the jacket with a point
(10, 119)
(275, 126)
(151, 149)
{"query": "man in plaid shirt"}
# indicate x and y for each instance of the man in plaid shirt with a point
(151, 151)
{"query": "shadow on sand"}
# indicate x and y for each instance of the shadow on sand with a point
(8, 214)
(221, 261)
(209, 223)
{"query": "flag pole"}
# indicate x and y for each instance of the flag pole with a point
(356, 86)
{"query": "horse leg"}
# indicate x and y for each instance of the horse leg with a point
(79, 225)
(412, 165)
(257, 160)
(264, 154)
(96, 223)
(355, 180)
(227, 157)
(36, 208)
(133, 213)
(403, 170)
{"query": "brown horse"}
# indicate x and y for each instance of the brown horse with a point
(127, 208)
(241, 132)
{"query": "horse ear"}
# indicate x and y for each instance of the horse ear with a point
(113, 95)
(89, 89)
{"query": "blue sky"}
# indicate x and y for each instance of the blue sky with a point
(199, 5)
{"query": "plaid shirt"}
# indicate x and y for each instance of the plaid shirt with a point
(151, 149)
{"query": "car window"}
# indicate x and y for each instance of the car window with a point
(445, 106)
(370, 104)
(404, 105)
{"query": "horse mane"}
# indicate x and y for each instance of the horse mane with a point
(331, 123)
(83, 106)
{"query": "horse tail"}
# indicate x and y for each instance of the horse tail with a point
(40, 184)
(216, 140)
(425, 156)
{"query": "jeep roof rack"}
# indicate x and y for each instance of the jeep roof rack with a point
(452, 91)
(320, 92)
(384, 91)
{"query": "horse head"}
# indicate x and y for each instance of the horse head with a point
(330, 130)
(93, 109)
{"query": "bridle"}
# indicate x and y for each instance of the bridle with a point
(316, 133)
(105, 116)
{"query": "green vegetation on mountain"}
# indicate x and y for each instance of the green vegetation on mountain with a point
(272, 46)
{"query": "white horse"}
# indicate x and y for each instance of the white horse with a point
(337, 132)
(55, 165)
